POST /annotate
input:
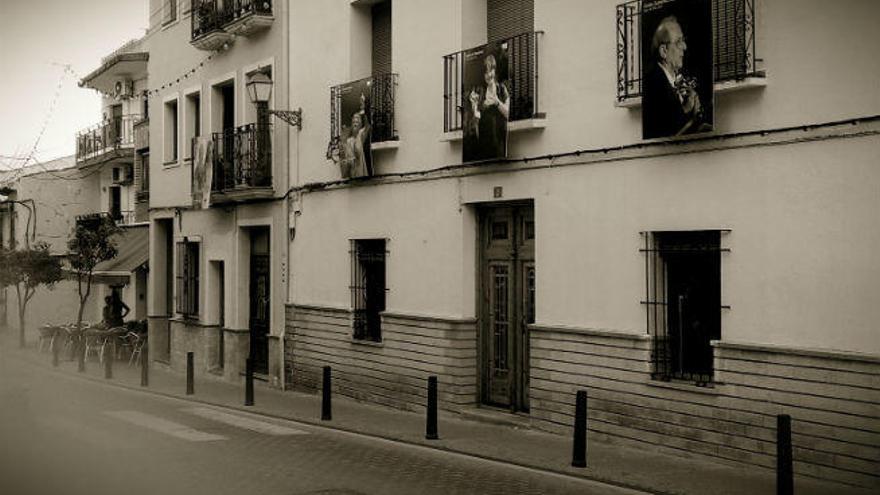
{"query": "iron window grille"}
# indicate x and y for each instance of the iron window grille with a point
(522, 70)
(188, 278)
(368, 288)
(383, 88)
(242, 157)
(683, 302)
(734, 49)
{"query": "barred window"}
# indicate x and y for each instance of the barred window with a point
(683, 302)
(188, 278)
(368, 288)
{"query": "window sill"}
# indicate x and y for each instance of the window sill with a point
(368, 343)
(720, 87)
(385, 145)
(710, 389)
(515, 126)
(169, 23)
(171, 164)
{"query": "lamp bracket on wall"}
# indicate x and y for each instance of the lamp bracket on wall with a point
(292, 117)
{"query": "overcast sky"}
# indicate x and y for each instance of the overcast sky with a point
(34, 34)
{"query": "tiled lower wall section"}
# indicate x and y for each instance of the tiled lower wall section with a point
(394, 372)
(833, 399)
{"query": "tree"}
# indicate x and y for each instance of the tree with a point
(92, 243)
(26, 269)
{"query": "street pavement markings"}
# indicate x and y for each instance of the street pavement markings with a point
(164, 426)
(243, 422)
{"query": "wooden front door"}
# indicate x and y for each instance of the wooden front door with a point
(259, 300)
(507, 296)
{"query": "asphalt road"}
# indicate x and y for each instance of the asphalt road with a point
(64, 435)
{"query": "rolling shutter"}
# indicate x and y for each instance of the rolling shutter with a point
(508, 18)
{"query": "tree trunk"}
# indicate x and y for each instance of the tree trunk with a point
(20, 306)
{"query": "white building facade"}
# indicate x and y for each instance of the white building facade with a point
(695, 287)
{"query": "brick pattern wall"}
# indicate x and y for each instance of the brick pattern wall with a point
(834, 402)
(393, 373)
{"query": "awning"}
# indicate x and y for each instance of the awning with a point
(133, 245)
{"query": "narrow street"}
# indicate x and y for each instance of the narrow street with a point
(61, 434)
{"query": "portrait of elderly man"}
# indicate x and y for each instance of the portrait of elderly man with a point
(671, 102)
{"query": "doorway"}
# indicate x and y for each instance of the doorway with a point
(507, 303)
(259, 299)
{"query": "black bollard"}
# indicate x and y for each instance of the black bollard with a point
(108, 362)
(81, 356)
(579, 455)
(784, 472)
(248, 383)
(145, 366)
(55, 352)
(190, 389)
(431, 426)
(326, 411)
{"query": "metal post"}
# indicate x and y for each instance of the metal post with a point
(81, 355)
(431, 427)
(145, 365)
(579, 454)
(108, 362)
(54, 345)
(248, 382)
(326, 412)
(784, 472)
(190, 389)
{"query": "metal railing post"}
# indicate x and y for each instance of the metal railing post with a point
(326, 410)
(248, 382)
(784, 471)
(431, 426)
(579, 454)
(190, 386)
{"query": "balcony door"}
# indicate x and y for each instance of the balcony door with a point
(507, 297)
(259, 299)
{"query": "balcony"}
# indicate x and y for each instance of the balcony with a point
(215, 23)
(382, 89)
(107, 141)
(735, 52)
(249, 16)
(242, 164)
(523, 51)
(141, 134)
(208, 19)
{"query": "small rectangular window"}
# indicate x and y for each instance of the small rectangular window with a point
(683, 302)
(368, 288)
(188, 279)
(170, 8)
(171, 135)
(193, 122)
(381, 14)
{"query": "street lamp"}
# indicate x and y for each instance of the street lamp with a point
(260, 90)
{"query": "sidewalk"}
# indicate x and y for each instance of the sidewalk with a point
(617, 465)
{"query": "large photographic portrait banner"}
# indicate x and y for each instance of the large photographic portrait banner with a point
(677, 67)
(486, 102)
(355, 150)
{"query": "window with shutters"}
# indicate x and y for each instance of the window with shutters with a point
(381, 15)
(188, 279)
(510, 24)
(734, 48)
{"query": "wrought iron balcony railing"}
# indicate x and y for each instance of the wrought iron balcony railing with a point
(241, 8)
(105, 137)
(212, 15)
(522, 72)
(209, 16)
(381, 107)
(242, 158)
(735, 53)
